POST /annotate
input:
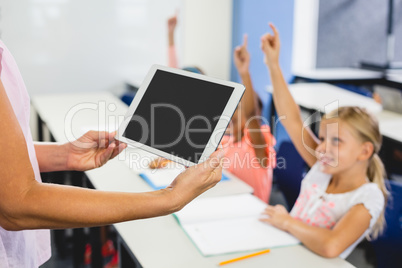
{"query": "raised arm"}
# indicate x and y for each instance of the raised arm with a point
(172, 57)
(241, 58)
(288, 111)
(249, 106)
(27, 204)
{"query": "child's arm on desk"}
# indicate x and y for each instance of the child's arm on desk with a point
(288, 111)
(328, 243)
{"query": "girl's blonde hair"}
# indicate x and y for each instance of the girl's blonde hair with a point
(366, 127)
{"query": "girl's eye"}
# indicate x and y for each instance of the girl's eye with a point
(321, 139)
(335, 140)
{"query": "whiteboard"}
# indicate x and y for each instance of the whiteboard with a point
(85, 45)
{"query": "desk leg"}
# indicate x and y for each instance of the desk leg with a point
(126, 257)
(40, 128)
(96, 256)
(390, 156)
(94, 236)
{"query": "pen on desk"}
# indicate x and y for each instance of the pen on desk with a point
(245, 257)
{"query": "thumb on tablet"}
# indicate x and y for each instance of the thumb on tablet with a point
(197, 179)
(214, 161)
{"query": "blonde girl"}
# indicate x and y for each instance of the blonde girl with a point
(342, 198)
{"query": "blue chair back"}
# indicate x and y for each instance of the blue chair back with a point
(388, 247)
(289, 172)
(129, 95)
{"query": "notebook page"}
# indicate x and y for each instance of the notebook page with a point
(236, 235)
(160, 178)
(220, 208)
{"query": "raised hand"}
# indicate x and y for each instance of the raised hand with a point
(242, 57)
(172, 23)
(270, 45)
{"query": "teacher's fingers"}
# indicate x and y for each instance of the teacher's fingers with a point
(119, 148)
(214, 160)
(216, 175)
(106, 154)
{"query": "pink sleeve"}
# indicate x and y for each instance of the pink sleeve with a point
(1, 59)
(172, 57)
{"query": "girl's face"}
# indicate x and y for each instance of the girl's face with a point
(339, 149)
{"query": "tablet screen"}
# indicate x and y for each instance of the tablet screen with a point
(178, 114)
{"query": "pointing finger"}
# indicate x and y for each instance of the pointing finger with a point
(276, 33)
(245, 40)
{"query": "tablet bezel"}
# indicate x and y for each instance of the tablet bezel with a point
(223, 122)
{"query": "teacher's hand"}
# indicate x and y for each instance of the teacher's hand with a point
(197, 179)
(92, 150)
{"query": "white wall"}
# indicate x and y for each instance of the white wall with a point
(305, 35)
(92, 45)
(207, 36)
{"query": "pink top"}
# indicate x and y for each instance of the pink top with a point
(316, 207)
(29, 248)
(240, 160)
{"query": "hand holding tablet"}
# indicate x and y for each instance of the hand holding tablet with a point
(179, 115)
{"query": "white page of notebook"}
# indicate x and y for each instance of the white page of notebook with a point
(221, 207)
(219, 225)
(236, 235)
(163, 176)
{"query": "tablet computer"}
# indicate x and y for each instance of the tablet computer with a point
(180, 115)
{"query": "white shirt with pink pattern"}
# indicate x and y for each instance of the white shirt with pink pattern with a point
(317, 208)
(28, 248)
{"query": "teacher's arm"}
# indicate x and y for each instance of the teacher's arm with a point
(90, 151)
(26, 203)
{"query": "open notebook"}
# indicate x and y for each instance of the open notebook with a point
(228, 224)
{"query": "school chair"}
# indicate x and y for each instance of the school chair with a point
(128, 96)
(388, 247)
(289, 172)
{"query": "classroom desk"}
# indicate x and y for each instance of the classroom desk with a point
(390, 125)
(156, 242)
(316, 96)
(352, 76)
(339, 74)
(313, 97)
(395, 78)
(160, 242)
(323, 96)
